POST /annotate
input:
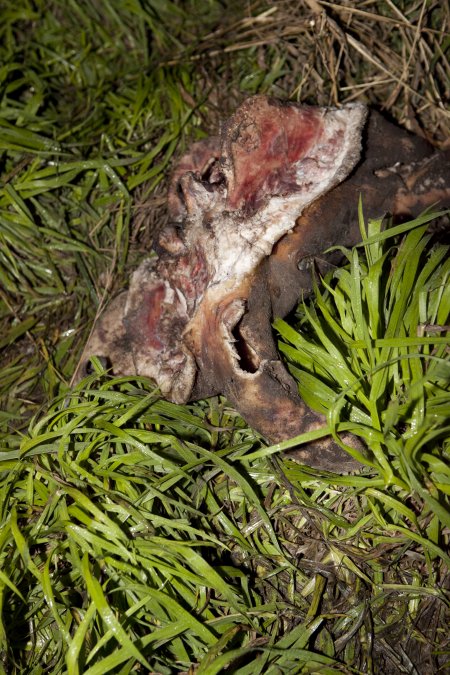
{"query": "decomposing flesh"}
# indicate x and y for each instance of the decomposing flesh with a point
(278, 186)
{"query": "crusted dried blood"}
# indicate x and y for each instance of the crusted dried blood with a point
(265, 151)
(154, 303)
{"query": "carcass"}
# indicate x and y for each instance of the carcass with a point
(248, 209)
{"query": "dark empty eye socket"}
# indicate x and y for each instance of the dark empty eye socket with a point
(212, 172)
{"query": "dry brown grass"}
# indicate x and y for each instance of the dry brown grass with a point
(392, 55)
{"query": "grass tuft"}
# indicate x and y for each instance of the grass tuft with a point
(378, 334)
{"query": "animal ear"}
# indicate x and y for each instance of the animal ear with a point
(276, 149)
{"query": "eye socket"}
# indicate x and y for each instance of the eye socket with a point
(212, 172)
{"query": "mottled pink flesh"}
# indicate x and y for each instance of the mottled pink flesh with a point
(151, 315)
(264, 154)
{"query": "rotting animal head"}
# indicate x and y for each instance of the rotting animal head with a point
(231, 199)
(197, 316)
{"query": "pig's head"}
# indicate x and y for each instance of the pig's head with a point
(230, 200)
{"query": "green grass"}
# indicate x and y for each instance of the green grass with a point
(378, 332)
(140, 536)
(138, 531)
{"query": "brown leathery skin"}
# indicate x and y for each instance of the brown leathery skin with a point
(237, 357)
(399, 174)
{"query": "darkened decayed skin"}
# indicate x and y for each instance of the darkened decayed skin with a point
(197, 319)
